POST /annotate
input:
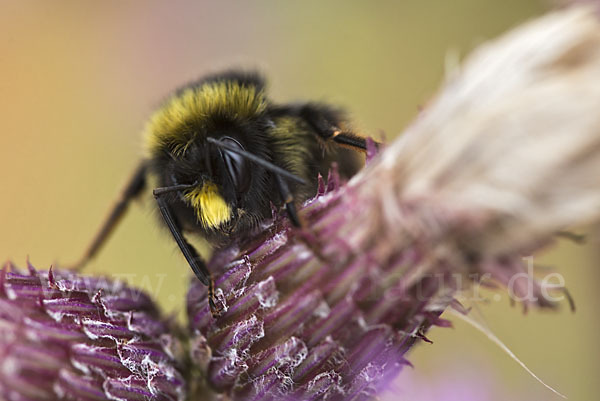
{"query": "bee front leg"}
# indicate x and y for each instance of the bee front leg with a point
(191, 255)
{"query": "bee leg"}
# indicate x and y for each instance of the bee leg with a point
(191, 255)
(350, 140)
(288, 199)
(306, 236)
(134, 187)
(324, 125)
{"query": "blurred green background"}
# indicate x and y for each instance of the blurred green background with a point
(79, 78)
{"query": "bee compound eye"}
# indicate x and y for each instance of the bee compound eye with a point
(237, 166)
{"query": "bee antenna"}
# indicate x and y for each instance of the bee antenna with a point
(255, 159)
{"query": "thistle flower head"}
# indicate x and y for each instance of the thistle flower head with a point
(64, 336)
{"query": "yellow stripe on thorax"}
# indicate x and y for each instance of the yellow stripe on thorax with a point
(211, 209)
(176, 123)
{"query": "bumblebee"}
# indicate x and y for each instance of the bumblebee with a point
(223, 153)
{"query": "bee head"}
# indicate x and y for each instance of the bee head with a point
(222, 180)
(230, 109)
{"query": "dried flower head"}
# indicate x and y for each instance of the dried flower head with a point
(68, 337)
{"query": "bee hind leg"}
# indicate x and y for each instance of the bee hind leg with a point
(132, 190)
(325, 123)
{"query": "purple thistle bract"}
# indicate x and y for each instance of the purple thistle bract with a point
(306, 327)
(295, 329)
(68, 337)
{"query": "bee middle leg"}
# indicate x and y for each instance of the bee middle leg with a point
(307, 237)
(288, 199)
